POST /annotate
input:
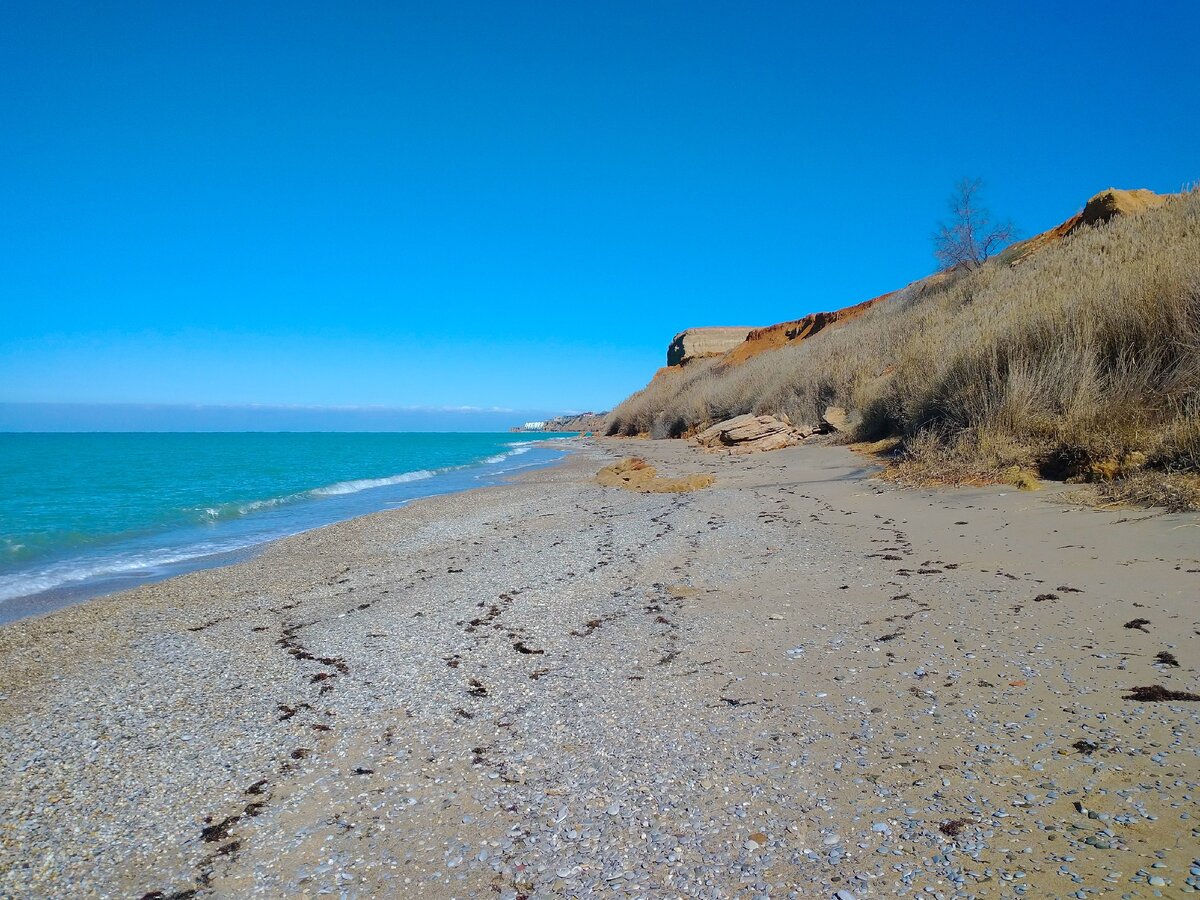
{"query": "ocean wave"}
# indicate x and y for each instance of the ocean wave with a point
(67, 573)
(148, 562)
(233, 510)
(362, 484)
(517, 450)
(337, 489)
(353, 486)
(214, 514)
(255, 505)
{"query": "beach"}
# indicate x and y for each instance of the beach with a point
(799, 681)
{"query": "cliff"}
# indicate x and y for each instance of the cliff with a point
(697, 343)
(589, 421)
(1073, 352)
(737, 344)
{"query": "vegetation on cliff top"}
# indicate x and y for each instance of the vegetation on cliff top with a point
(1081, 362)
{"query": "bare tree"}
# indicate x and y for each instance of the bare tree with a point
(970, 236)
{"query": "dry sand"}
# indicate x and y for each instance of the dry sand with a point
(796, 682)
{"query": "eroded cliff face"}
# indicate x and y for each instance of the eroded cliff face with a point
(737, 344)
(774, 336)
(695, 343)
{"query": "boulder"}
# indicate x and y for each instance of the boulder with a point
(751, 434)
(756, 428)
(838, 418)
(711, 436)
(776, 441)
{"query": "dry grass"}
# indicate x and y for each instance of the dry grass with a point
(1082, 363)
(1173, 492)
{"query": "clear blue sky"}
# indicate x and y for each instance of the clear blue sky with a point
(517, 204)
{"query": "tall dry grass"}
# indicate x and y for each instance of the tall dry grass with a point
(1083, 361)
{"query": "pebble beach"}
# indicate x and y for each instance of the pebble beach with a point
(798, 681)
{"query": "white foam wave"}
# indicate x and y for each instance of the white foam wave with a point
(64, 574)
(233, 510)
(340, 488)
(254, 505)
(148, 562)
(353, 486)
(501, 457)
(362, 484)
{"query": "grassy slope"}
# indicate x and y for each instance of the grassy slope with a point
(1081, 362)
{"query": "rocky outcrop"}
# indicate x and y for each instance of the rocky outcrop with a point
(1115, 202)
(838, 418)
(1101, 208)
(695, 343)
(752, 434)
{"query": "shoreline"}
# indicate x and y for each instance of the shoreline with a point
(106, 582)
(788, 684)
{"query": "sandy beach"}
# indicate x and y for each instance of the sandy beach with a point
(798, 682)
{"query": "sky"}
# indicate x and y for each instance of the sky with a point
(514, 206)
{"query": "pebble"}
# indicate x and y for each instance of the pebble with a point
(621, 765)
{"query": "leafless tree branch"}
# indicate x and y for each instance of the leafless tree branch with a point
(970, 237)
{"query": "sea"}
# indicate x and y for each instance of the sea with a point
(86, 514)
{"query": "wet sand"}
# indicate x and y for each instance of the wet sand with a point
(795, 682)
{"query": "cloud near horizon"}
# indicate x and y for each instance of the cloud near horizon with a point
(38, 417)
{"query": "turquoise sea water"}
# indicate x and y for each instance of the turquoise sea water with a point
(81, 514)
